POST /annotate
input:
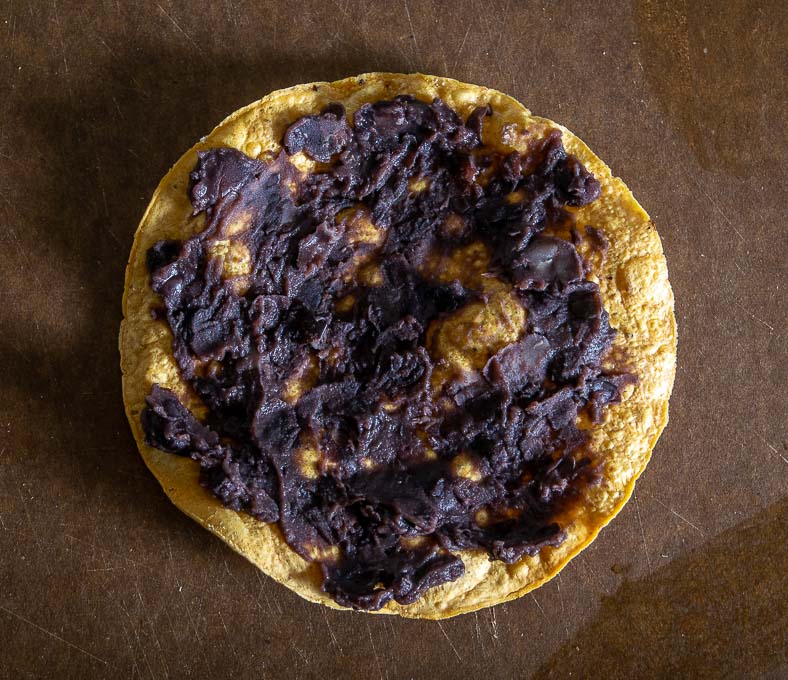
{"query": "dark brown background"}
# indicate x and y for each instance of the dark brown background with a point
(101, 577)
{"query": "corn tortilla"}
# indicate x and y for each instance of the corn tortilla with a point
(633, 281)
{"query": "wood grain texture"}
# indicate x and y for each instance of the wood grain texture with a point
(101, 577)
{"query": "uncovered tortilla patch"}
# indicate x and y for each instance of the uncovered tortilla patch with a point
(412, 344)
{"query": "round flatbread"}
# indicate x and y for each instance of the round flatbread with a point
(633, 280)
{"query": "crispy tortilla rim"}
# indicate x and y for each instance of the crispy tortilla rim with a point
(633, 281)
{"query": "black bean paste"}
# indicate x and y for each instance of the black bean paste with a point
(331, 409)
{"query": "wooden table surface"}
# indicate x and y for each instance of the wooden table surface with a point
(101, 577)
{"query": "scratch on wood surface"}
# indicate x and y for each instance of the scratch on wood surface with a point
(538, 606)
(713, 203)
(681, 517)
(62, 48)
(412, 30)
(300, 653)
(13, 31)
(111, 51)
(342, 10)
(117, 108)
(459, 51)
(16, 162)
(255, 597)
(190, 617)
(308, 610)
(30, 268)
(563, 609)
(267, 602)
(390, 625)
(55, 636)
(719, 211)
(592, 575)
(178, 26)
(479, 633)
(144, 610)
(106, 205)
(172, 564)
(145, 659)
(229, 637)
(773, 449)
(448, 639)
(758, 319)
(26, 510)
(92, 571)
(330, 630)
(136, 630)
(172, 628)
(493, 40)
(265, 594)
(231, 12)
(161, 651)
(3, 196)
(374, 650)
(405, 56)
(134, 668)
(443, 60)
(169, 621)
(263, 585)
(105, 550)
(494, 623)
(642, 531)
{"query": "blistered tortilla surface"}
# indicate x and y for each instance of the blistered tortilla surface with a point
(633, 281)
